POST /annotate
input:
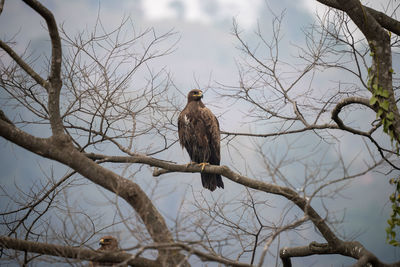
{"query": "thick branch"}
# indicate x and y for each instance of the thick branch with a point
(54, 87)
(351, 249)
(74, 252)
(362, 101)
(384, 20)
(345, 102)
(212, 257)
(334, 246)
(381, 70)
(225, 171)
(61, 150)
(4, 118)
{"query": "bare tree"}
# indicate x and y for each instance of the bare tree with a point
(93, 100)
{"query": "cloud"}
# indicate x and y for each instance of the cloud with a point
(312, 7)
(159, 9)
(204, 12)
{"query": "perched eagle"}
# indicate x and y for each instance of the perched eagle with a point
(198, 131)
(107, 243)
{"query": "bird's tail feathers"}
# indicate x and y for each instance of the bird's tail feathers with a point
(211, 181)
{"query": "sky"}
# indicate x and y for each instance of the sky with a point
(205, 55)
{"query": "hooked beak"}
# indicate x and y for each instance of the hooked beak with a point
(200, 94)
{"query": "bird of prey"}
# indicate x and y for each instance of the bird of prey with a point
(198, 130)
(107, 243)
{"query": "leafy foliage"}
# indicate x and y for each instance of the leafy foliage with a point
(380, 100)
(395, 215)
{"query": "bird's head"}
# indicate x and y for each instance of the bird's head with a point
(195, 95)
(108, 243)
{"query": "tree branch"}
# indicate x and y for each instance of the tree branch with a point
(363, 101)
(56, 54)
(334, 246)
(62, 150)
(307, 128)
(228, 173)
(24, 65)
(75, 252)
(345, 102)
(384, 20)
(55, 85)
(352, 249)
(380, 73)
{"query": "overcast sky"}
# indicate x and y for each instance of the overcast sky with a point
(205, 54)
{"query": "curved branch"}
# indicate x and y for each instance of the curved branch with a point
(363, 101)
(352, 249)
(381, 70)
(348, 101)
(202, 255)
(84, 164)
(334, 246)
(286, 192)
(75, 252)
(62, 150)
(54, 87)
(384, 20)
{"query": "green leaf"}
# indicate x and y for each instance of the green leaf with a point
(379, 114)
(386, 125)
(385, 93)
(390, 116)
(384, 105)
(397, 211)
(391, 134)
(373, 100)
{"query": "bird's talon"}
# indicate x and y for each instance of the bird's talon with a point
(203, 165)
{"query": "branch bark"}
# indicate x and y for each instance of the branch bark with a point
(384, 20)
(62, 150)
(55, 82)
(334, 245)
(228, 173)
(75, 252)
(352, 249)
(381, 69)
(59, 147)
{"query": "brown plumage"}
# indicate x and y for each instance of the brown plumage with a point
(199, 133)
(107, 243)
